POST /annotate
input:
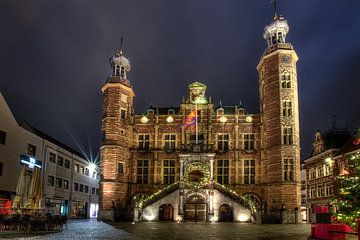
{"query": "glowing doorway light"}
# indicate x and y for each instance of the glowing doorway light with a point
(242, 217)
(149, 214)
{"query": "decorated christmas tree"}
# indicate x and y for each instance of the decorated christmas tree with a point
(348, 188)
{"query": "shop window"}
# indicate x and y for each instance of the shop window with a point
(223, 171)
(58, 182)
(52, 157)
(2, 137)
(169, 171)
(249, 142)
(142, 171)
(66, 184)
(169, 142)
(249, 172)
(31, 150)
(60, 161)
(223, 142)
(51, 181)
(67, 163)
(76, 187)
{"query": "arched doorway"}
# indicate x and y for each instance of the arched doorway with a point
(166, 212)
(195, 208)
(225, 213)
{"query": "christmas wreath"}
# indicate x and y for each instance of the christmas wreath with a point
(196, 175)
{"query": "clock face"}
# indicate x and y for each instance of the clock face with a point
(285, 59)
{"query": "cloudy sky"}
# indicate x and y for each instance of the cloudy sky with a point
(54, 57)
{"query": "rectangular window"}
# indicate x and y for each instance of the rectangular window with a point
(223, 142)
(66, 184)
(193, 138)
(327, 170)
(97, 191)
(76, 167)
(249, 142)
(60, 161)
(320, 171)
(87, 172)
(287, 135)
(81, 188)
(286, 108)
(82, 170)
(169, 142)
(312, 192)
(142, 171)
(86, 189)
(288, 169)
(223, 171)
(58, 183)
(285, 80)
(52, 157)
(144, 142)
(31, 150)
(50, 181)
(67, 163)
(328, 189)
(2, 137)
(320, 190)
(120, 168)
(93, 190)
(76, 187)
(123, 113)
(249, 172)
(169, 171)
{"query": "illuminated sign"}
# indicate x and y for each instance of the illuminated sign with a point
(30, 161)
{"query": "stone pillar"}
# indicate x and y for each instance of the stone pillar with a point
(181, 202)
(181, 169)
(211, 168)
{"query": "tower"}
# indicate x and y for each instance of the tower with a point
(279, 114)
(114, 152)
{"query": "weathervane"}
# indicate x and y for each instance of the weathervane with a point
(275, 9)
(121, 43)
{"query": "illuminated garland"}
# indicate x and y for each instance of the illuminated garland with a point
(204, 169)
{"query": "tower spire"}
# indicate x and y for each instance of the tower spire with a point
(275, 9)
(121, 43)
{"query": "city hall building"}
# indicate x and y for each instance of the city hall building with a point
(230, 165)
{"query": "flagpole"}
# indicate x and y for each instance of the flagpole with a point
(196, 125)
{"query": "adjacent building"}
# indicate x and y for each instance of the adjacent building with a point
(204, 162)
(69, 186)
(321, 168)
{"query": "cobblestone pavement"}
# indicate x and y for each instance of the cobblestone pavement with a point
(85, 229)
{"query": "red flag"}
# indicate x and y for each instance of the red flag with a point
(190, 120)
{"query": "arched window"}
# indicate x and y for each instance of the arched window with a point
(285, 78)
(286, 108)
(287, 135)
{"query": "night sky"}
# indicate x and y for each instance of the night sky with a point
(54, 58)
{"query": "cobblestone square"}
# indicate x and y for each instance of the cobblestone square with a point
(85, 229)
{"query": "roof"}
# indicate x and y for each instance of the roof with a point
(351, 145)
(28, 127)
(163, 110)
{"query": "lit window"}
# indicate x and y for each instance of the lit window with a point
(312, 192)
(169, 142)
(82, 170)
(76, 168)
(287, 135)
(286, 108)
(142, 171)
(169, 171)
(249, 172)
(327, 170)
(288, 169)
(223, 171)
(144, 142)
(320, 190)
(223, 142)
(320, 171)
(249, 142)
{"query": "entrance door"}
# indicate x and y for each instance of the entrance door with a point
(225, 213)
(195, 208)
(166, 212)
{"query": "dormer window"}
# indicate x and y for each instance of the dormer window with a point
(171, 111)
(220, 112)
(150, 111)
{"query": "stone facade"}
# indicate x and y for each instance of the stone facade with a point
(250, 157)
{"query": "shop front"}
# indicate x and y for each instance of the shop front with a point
(79, 209)
(57, 206)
